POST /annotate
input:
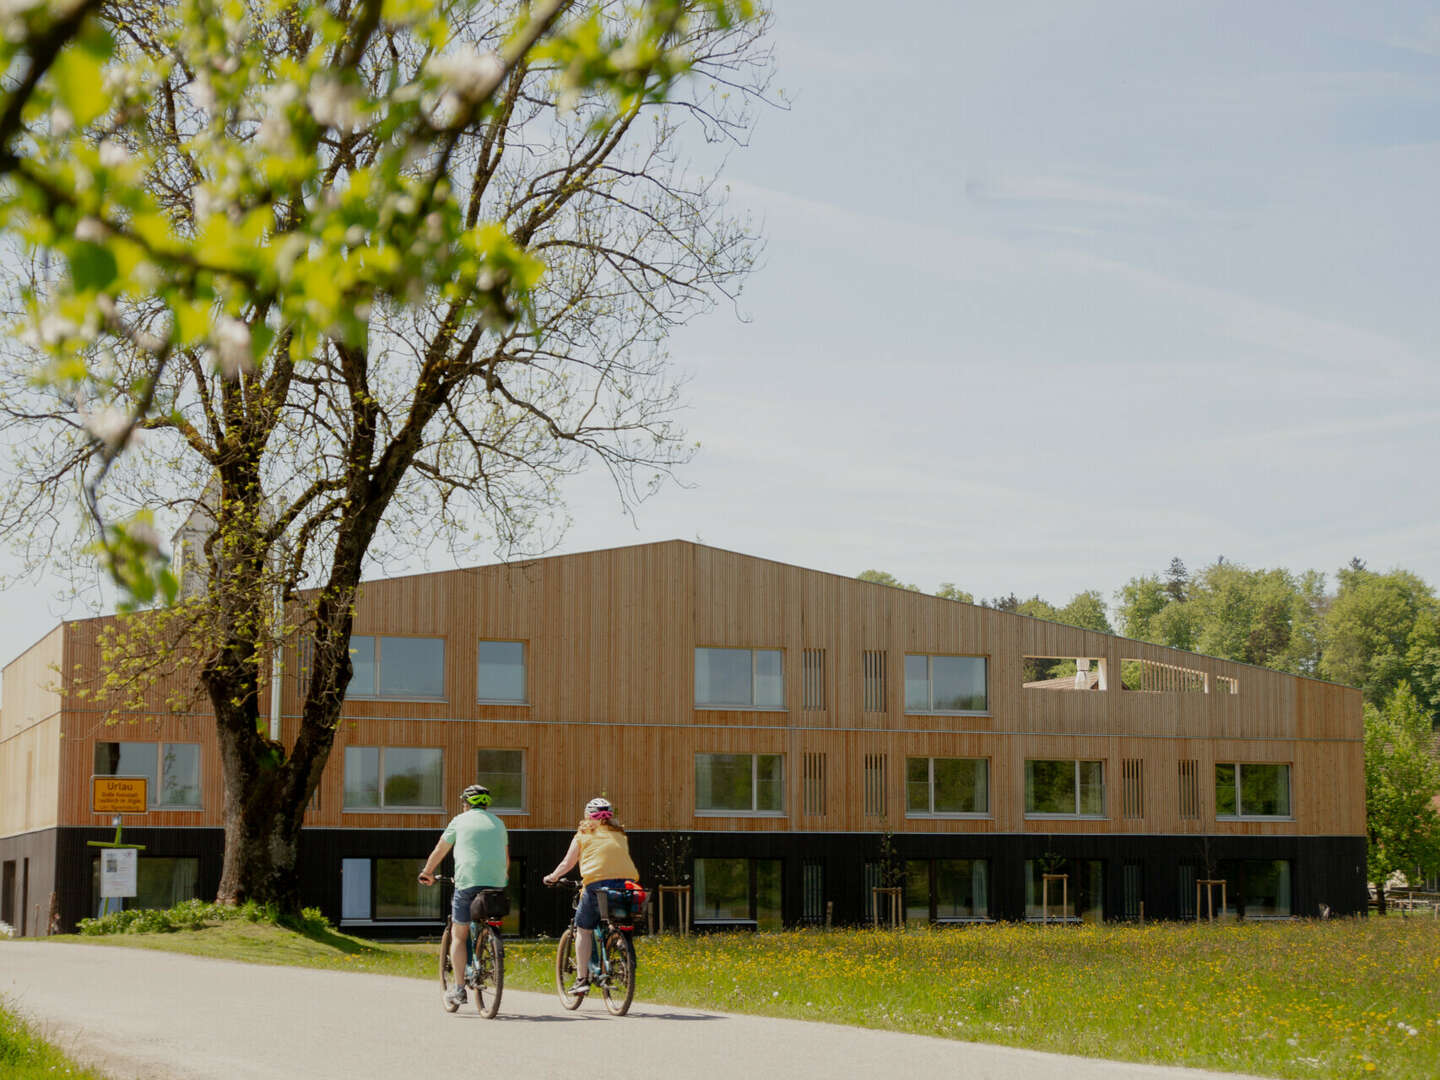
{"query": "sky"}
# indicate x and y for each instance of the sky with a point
(1055, 291)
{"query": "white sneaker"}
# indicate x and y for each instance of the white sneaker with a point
(456, 997)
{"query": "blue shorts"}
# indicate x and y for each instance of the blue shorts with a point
(587, 915)
(460, 902)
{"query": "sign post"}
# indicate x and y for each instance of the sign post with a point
(119, 861)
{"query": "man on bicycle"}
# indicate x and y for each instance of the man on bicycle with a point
(482, 861)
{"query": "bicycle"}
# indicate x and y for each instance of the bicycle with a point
(485, 967)
(612, 961)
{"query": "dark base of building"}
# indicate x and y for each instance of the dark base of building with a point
(354, 876)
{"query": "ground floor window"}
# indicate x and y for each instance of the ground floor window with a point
(1256, 888)
(160, 883)
(380, 890)
(1081, 896)
(738, 890)
(947, 890)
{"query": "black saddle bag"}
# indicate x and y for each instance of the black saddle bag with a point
(489, 904)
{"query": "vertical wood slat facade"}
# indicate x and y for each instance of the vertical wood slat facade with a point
(610, 640)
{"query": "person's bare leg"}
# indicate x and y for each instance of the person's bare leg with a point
(584, 944)
(459, 953)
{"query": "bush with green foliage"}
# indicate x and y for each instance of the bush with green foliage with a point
(196, 915)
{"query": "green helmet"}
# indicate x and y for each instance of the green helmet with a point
(476, 795)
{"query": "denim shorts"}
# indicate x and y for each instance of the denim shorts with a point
(587, 915)
(460, 903)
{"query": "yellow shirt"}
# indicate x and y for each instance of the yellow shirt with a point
(604, 854)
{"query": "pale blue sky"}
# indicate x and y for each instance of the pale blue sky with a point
(1054, 291)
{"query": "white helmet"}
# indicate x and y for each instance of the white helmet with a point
(599, 808)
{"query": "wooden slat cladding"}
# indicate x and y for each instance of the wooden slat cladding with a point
(813, 781)
(610, 641)
(873, 661)
(875, 787)
(1132, 774)
(1188, 788)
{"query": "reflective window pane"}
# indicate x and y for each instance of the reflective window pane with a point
(769, 679)
(362, 662)
(1050, 787)
(917, 683)
(1226, 794)
(1092, 787)
(1267, 888)
(128, 759)
(723, 677)
(503, 772)
(362, 777)
(917, 890)
(724, 782)
(960, 786)
(917, 785)
(399, 896)
(722, 888)
(1265, 790)
(180, 774)
(769, 782)
(957, 683)
(412, 667)
(767, 894)
(961, 889)
(412, 776)
(502, 671)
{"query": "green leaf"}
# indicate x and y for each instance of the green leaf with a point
(92, 267)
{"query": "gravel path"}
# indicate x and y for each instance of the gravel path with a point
(143, 1015)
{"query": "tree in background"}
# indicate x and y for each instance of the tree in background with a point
(1383, 630)
(326, 277)
(884, 577)
(950, 591)
(1402, 779)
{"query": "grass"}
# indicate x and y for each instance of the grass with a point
(26, 1056)
(1351, 997)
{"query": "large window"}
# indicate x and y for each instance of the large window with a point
(736, 890)
(942, 890)
(503, 772)
(947, 786)
(392, 778)
(501, 675)
(945, 684)
(1065, 788)
(410, 668)
(740, 783)
(171, 770)
(159, 883)
(1080, 896)
(1251, 790)
(740, 678)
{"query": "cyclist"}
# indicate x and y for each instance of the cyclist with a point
(602, 849)
(482, 861)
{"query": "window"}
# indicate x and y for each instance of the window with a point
(812, 887)
(947, 890)
(1189, 789)
(501, 675)
(947, 786)
(399, 896)
(159, 883)
(1079, 897)
(392, 778)
(172, 770)
(1067, 788)
(739, 783)
(1256, 888)
(945, 684)
(1132, 787)
(736, 890)
(1252, 790)
(813, 670)
(1153, 677)
(503, 772)
(739, 678)
(813, 768)
(409, 668)
(1063, 672)
(875, 785)
(873, 661)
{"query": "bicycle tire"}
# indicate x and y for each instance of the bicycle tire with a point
(489, 969)
(446, 971)
(618, 988)
(565, 970)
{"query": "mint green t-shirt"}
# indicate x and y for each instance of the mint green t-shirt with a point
(479, 840)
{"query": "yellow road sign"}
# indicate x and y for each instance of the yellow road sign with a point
(119, 794)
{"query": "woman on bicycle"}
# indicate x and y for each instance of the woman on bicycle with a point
(602, 849)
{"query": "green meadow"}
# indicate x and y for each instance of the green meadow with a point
(1345, 997)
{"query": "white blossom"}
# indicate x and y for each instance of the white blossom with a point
(92, 230)
(468, 72)
(113, 155)
(333, 104)
(231, 339)
(203, 94)
(275, 102)
(110, 425)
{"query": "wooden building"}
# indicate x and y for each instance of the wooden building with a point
(783, 739)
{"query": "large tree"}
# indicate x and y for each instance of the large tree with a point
(1402, 781)
(325, 278)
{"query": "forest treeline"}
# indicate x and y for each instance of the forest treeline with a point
(1375, 631)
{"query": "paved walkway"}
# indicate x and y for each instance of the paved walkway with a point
(144, 1015)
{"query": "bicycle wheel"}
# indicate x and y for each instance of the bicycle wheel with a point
(565, 970)
(489, 970)
(619, 985)
(447, 975)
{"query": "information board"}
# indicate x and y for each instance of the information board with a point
(118, 871)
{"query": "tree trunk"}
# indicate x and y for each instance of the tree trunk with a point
(1379, 898)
